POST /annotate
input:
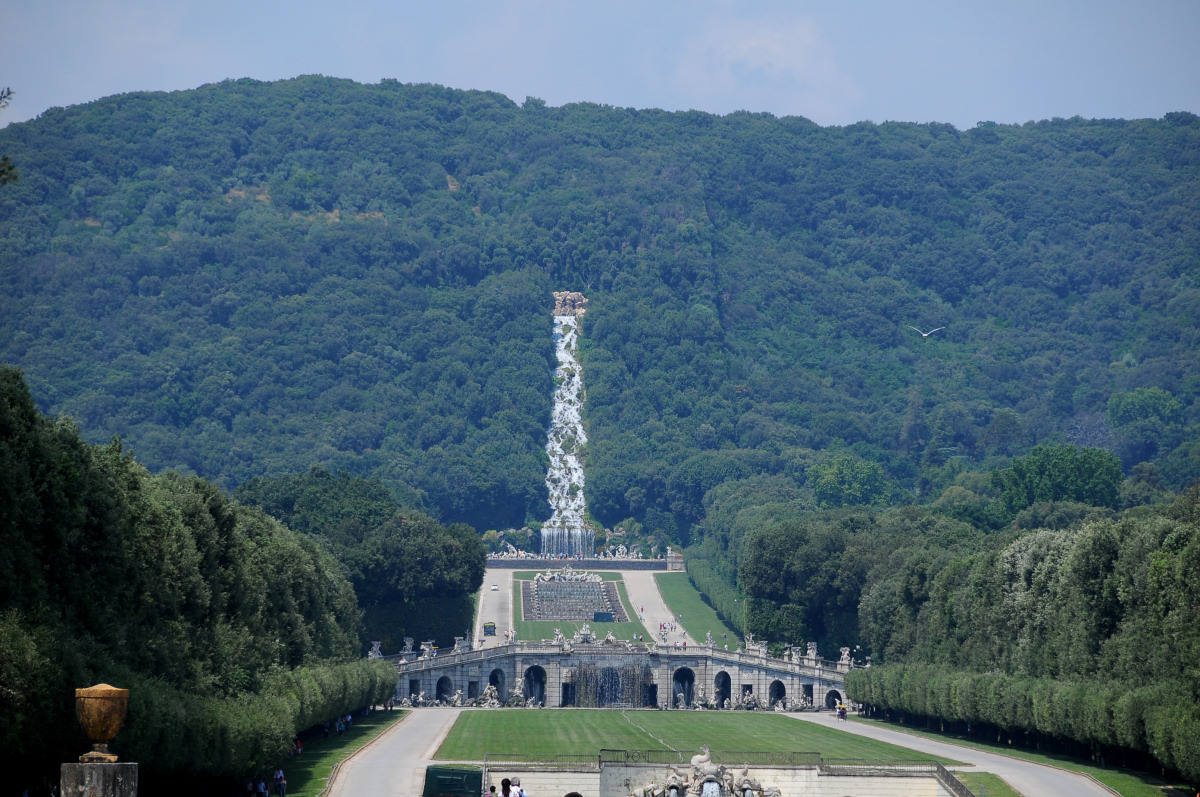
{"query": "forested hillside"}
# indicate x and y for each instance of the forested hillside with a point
(248, 279)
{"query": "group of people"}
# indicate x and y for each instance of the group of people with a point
(259, 789)
(509, 788)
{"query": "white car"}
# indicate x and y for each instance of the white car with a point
(495, 588)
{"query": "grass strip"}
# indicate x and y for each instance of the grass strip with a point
(586, 731)
(308, 774)
(1126, 782)
(682, 598)
(986, 783)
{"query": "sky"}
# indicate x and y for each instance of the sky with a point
(835, 62)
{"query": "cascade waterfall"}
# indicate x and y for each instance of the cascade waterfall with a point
(565, 532)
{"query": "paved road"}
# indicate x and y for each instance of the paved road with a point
(394, 764)
(1032, 780)
(494, 607)
(643, 593)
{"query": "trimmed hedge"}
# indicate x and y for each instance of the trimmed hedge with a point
(1161, 719)
(727, 601)
(171, 730)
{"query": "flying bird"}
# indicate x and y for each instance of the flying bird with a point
(924, 334)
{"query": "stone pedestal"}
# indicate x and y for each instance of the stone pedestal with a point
(99, 780)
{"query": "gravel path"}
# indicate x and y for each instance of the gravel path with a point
(1032, 780)
(394, 764)
(643, 593)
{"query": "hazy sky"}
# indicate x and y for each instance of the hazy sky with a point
(835, 62)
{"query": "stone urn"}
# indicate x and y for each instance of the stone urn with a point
(101, 711)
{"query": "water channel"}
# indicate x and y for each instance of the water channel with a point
(565, 533)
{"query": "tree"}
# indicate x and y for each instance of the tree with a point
(1144, 420)
(1060, 473)
(844, 480)
(8, 169)
(1143, 404)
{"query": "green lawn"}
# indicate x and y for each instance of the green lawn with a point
(308, 774)
(978, 781)
(544, 629)
(586, 731)
(698, 617)
(1123, 781)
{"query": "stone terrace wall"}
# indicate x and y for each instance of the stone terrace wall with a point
(620, 780)
(616, 780)
(579, 564)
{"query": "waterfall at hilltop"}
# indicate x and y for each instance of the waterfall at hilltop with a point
(565, 531)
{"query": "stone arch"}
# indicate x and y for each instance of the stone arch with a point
(535, 685)
(567, 679)
(573, 794)
(649, 695)
(776, 693)
(832, 698)
(496, 678)
(683, 682)
(445, 688)
(722, 688)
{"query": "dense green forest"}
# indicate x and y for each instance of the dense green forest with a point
(232, 632)
(413, 576)
(248, 280)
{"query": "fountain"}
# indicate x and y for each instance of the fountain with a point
(599, 686)
(565, 533)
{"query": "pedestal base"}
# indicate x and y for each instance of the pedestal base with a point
(99, 780)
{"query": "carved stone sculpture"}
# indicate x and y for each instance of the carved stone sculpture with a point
(569, 303)
(743, 782)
